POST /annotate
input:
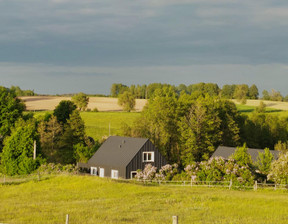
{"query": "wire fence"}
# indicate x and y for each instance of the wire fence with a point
(185, 183)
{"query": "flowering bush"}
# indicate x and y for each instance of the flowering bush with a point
(148, 173)
(219, 169)
(52, 168)
(279, 170)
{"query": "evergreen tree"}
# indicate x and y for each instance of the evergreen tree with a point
(64, 110)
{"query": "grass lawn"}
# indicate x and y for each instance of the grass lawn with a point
(97, 123)
(90, 199)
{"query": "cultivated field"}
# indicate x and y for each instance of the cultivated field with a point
(89, 199)
(269, 104)
(40, 103)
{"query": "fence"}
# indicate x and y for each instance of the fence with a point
(213, 184)
(185, 183)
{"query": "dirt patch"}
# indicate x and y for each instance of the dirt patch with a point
(42, 103)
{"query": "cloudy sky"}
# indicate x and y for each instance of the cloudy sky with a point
(68, 46)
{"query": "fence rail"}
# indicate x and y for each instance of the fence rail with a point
(184, 183)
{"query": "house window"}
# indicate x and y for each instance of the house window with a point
(148, 156)
(93, 171)
(114, 174)
(133, 174)
(101, 172)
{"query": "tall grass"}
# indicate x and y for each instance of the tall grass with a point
(90, 199)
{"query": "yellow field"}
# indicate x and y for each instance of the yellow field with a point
(37, 103)
(270, 104)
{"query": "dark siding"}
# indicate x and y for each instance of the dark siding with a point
(107, 171)
(137, 162)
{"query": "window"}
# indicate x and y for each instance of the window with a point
(93, 171)
(148, 156)
(133, 174)
(101, 172)
(114, 174)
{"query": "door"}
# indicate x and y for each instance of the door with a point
(101, 172)
(114, 174)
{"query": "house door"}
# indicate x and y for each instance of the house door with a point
(94, 171)
(114, 174)
(101, 172)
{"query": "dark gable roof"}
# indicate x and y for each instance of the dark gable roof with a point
(225, 152)
(117, 151)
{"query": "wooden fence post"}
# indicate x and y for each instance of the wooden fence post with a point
(67, 219)
(255, 186)
(4, 179)
(175, 219)
(230, 185)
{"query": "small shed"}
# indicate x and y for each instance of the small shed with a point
(226, 152)
(121, 157)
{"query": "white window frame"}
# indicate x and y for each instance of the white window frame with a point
(114, 174)
(145, 154)
(102, 172)
(93, 171)
(131, 174)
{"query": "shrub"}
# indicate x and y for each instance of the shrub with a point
(219, 169)
(52, 168)
(279, 170)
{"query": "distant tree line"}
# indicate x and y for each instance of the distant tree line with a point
(19, 92)
(241, 92)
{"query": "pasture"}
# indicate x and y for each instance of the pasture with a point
(89, 199)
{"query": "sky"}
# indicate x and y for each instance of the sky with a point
(70, 46)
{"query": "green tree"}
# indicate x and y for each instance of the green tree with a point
(11, 109)
(63, 110)
(264, 161)
(281, 146)
(83, 153)
(276, 95)
(118, 88)
(227, 91)
(242, 156)
(200, 130)
(253, 92)
(17, 155)
(265, 95)
(50, 133)
(241, 93)
(74, 133)
(127, 101)
(261, 108)
(81, 100)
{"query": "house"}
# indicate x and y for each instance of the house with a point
(226, 152)
(121, 157)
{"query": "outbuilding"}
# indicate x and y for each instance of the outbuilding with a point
(226, 152)
(121, 157)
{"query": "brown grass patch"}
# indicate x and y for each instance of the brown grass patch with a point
(40, 103)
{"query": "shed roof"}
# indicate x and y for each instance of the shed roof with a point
(225, 152)
(117, 151)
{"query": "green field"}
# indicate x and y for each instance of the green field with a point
(89, 199)
(97, 124)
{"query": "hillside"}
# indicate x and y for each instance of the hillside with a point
(88, 199)
(39, 103)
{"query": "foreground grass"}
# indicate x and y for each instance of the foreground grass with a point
(92, 200)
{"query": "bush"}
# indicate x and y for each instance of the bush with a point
(219, 169)
(279, 170)
(52, 168)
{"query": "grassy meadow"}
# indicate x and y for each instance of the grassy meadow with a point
(97, 123)
(89, 199)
